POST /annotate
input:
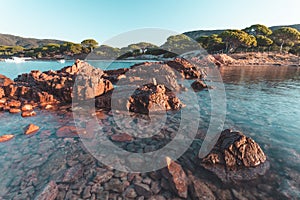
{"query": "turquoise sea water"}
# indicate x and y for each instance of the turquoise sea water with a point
(12, 70)
(262, 101)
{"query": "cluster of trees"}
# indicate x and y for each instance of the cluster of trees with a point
(256, 37)
(50, 50)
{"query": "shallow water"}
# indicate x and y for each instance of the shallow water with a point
(262, 102)
(12, 70)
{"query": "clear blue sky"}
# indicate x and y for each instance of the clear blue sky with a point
(75, 20)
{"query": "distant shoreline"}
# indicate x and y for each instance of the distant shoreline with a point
(235, 59)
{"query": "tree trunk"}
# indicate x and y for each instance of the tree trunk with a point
(281, 47)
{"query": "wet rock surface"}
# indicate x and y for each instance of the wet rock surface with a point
(199, 85)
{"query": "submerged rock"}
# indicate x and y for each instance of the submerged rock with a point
(5, 138)
(50, 192)
(30, 129)
(122, 137)
(236, 157)
(199, 190)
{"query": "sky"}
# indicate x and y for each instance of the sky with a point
(105, 20)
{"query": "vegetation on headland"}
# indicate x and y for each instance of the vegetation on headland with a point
(255, 38)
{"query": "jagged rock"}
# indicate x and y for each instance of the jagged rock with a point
(5, 138)
(57, 86)
(89, 82)
(2, 101)
(224, 59)
(27, 107)
(50, 192)
(30, 129)
(115, 185)
(153, 97)
(4, 81)
(14, 110)
(2, 92)
(130, 193)
(186, 68)
(67, 131)
(14, 104)
(115, 74)
(142, 190)
(28, 114)
(103, 175)
(199, 190)
(177, 178)
(72, 174)
(152, 72)
(198, 85)
(236, 157)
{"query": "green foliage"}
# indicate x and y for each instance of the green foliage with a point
(263, 41)
(180, 44)
(107, 52)
(235, 38)
(258, 29)
(286, 36)
(211, 43)
(89, 43)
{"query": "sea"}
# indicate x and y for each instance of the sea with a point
(261, 101)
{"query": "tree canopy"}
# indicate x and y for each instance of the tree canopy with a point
(258, 29)
(235, 38)
(286, 35)
(89, 43)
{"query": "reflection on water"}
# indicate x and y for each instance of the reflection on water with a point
(264, 103)
(255, 74)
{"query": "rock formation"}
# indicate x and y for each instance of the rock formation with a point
(152, 97)
(236, 157)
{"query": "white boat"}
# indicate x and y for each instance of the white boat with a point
(16, 60)
(61, 61)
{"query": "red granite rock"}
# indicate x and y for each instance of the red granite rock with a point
(5, 138)
(30, 129)
(122, 137)
(178, 178)
(28, 113)
(50, 192)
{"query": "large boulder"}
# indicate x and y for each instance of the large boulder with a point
(151, 97)
(59, 86)
(188, 69)
(89, 83)
(236, 157)
(152, 72)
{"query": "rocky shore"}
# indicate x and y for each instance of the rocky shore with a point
(64, 169)
(255, 59)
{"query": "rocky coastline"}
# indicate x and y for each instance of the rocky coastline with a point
(235, 158)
